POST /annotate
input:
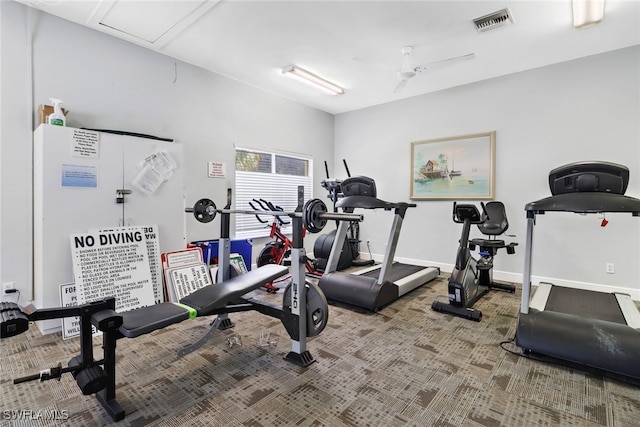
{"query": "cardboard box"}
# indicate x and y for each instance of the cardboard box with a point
(46, 110)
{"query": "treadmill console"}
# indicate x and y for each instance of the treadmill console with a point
(591, 176)
(359, 186)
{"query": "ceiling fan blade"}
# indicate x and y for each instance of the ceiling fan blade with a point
(445, 62)
(400, 86)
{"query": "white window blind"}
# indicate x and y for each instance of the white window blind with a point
(279, 186)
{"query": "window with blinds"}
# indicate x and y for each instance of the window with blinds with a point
(273, 177)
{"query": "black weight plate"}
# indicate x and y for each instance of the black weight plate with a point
(311, 216)
(204, 210)
(317, 308)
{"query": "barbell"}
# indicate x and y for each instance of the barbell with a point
(314, 213)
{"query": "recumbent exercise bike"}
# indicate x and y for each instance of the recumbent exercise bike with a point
(472, 278)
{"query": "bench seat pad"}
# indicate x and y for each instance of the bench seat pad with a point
(147, 319)
(216, 296)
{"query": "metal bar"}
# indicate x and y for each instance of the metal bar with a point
(203, 340)
(390, 252)
(298, 288)
(327, 215)
(336, 248)
(528, 252)
(342, 216)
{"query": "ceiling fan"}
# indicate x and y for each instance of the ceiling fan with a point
(407, 71)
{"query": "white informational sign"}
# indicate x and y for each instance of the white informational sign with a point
(79, 176)
(217, 170)
(112, 264)
(186, 280)
(71, 325)
(153, 251)
(86, 144)
(185, 272)
(183, 258)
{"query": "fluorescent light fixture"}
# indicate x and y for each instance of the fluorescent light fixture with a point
(311, 79)
(587, 12)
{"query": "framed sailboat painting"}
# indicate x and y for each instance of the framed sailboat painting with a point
(454, 168)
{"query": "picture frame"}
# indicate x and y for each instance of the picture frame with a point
(454, 168)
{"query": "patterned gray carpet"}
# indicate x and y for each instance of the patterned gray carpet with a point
(405, 365)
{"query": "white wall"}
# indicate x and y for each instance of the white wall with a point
(586, 109)
(15, 149)
(111, 84)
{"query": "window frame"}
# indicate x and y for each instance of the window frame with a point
(278, 188)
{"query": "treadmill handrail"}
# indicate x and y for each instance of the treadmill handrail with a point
(367, 202)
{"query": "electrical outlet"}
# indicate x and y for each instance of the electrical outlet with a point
(7, 286)
(609, 268)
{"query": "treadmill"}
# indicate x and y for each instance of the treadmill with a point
(377, 286)
(591, 329)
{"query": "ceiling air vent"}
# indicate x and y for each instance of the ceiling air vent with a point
(493, 20)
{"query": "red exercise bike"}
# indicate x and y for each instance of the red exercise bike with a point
(278, 250)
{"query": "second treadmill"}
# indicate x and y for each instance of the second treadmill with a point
(375, 287)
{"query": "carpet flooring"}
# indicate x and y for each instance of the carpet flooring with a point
(405, 365)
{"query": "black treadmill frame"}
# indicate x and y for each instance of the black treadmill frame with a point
(371, 293)
(605, 346)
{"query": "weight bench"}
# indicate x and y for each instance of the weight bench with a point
(303, 312)
(207, 301)
(91, 377)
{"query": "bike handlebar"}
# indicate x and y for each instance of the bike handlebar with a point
(267, 206)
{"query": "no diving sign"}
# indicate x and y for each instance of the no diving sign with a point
(113, 263)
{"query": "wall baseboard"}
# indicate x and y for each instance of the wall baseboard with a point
(505, 276)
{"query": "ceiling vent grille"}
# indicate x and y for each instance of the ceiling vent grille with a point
(493, 20)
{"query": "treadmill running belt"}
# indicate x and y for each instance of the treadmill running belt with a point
(398, 271)
(585, 303)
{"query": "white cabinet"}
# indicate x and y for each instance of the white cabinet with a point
(77, 176)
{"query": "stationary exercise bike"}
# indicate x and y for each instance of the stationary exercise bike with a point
(279, 249)
(471, 278)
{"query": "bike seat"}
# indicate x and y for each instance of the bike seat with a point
(495, 225)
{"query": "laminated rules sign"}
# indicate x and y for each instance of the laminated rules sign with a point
(113, 264)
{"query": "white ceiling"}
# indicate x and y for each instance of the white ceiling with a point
(251, 41)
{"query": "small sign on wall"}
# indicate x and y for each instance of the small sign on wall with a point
(217, 170)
